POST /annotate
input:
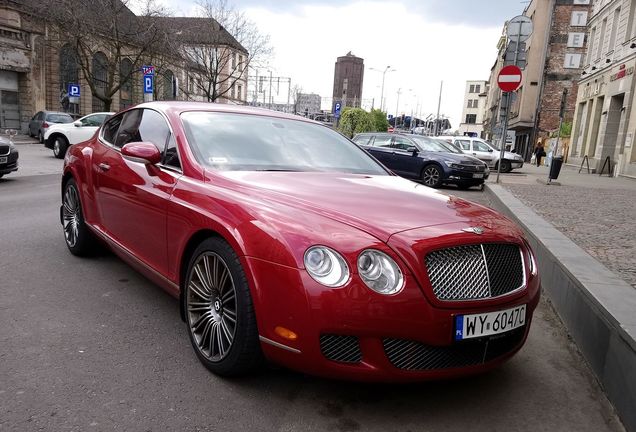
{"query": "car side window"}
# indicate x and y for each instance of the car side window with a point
(153, 128)
(382, 141)
(362, 139)
(94, 120)
(402, 143)
(129, 129)
(478, 146)
(110, 129)
(170, 155)
(464, 144)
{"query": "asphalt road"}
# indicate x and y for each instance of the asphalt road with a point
(88, 344)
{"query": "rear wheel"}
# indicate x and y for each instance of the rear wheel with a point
(40, 137)
(506, 166)
(219, 311)
(432, 176)
(60, 145)
(79, 239)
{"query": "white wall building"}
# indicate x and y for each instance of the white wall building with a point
(473, 112)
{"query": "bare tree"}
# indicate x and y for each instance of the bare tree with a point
(102, 34)
(296, 91)
(221, 44)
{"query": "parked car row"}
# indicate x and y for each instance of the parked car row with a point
(433, 162)
(486, 152)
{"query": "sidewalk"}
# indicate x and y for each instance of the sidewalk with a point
(583, 233)
(20, 139)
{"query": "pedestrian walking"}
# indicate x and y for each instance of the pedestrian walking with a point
(539, 151)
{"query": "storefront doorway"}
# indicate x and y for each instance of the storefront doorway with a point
(9, 106)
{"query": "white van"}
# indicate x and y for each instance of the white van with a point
(486, 152)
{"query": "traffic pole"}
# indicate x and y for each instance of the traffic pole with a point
(504, 133)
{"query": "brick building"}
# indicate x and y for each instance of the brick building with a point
(37, 64)
(347, 80)
(554, 64)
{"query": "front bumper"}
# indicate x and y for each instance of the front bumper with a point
(11, 164)
(354, 317)
(457, 176)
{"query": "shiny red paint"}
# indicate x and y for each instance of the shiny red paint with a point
(142, 150)
(150, 214)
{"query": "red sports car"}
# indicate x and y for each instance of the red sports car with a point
(285, 241)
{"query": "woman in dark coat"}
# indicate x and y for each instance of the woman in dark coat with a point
(539, 152)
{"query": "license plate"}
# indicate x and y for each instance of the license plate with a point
(479, 175)
(491, 323)
(3, 159)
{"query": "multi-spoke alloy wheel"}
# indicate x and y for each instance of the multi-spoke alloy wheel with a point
(432, 176)
(78, 239)
(211, 306)
(218, 310)
(59, 147)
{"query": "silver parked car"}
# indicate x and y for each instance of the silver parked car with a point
(486, 152)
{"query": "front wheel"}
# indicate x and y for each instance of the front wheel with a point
(432, 176)
(506, 166)
(60, 145)
(219, 311)
(79, 239)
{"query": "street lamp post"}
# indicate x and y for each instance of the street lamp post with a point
(382, 89)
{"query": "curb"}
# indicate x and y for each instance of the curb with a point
(597, 307)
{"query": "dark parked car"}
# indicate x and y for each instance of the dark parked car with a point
(282, 240)
(43, 119)
(8, 157)
(425, 159)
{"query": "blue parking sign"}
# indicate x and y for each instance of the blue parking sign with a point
(148, 84)
(336, 109)
(73, 90)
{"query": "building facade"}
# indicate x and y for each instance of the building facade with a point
(348, 79)
(37, 65)
(605, 121)
(474, 108)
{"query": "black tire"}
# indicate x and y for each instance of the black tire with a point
(506, 166)
(60, 145)
(40, 137)
(432, 176)
(78, 238)
(225, 348)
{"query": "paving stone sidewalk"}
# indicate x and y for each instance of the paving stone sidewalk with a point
(597, 213)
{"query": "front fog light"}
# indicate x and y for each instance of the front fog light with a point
(380, 272)
(326, 266)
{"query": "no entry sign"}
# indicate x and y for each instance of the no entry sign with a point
(509, 78)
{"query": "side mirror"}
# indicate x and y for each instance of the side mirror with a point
(77, 123)
(490, 150)
(413, 150)
(145, 151)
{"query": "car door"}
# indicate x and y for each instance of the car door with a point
(405, 162)
(132, 196)
(483, 152)
(380, 148)
(34, 124)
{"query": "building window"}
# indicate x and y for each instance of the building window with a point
(472, 89)
(240, 63)
(629, 31)
(126, 80)
(601, 40)
(232, 92)
(471, 118)
(239, 92)
(100, 80)
(612, 40)
(233, 60)
(168, 85)
(477, 88)
(69, 74)
(590, 49)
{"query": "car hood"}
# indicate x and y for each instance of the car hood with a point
(379, 205)
(454, 157)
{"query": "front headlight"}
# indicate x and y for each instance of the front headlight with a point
(533, 263)
(326, 266)
(380, 272)
(452, 164)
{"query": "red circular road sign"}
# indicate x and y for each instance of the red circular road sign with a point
(509, 78)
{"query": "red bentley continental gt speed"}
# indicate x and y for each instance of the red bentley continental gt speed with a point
(285, 241)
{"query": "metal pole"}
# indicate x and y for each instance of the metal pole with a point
(382, 90)
(439, 103)
(504, 134)
(397, 106)
(270, 89)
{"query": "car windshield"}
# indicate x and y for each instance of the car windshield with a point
(491, 144)
(428, 144)
(59, 118)
(448, 146)
(240, 142)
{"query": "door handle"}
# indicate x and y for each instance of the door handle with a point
(104, 166)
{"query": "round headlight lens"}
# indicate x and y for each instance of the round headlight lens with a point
(326, 266)
(380, 272)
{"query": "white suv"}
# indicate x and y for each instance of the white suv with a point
(486, 152)
(60, 136)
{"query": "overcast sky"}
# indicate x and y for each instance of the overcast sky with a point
(426, 41)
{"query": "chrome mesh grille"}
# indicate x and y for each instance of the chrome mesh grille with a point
(340, 348)
(474, 272)
(411, 355)
(4, 149)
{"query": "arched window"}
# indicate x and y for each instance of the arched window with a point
(126, 80)
(69, 74)
(100, 79)
(168, 85)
